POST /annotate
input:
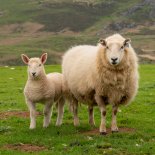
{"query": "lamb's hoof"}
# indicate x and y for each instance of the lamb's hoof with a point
(45, 126)
(58, 124)
(103, 133)
(32, 128)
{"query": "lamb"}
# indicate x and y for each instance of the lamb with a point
(99, 75)
(43, 88)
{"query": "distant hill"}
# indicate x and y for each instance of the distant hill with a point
(31, 26)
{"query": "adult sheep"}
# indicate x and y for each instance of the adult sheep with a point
(102, 74)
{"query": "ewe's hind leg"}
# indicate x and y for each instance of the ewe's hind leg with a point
(75, 112)
(101, 103)
(32, 109)
(114, 127)
(47, 113)
(91, 115)
(60, 110)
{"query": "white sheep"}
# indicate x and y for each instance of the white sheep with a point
(43, 88)
(102, 74)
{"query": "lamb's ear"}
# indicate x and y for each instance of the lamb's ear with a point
(43, 58)
(127, 42)
(25, 58)
(103, 42)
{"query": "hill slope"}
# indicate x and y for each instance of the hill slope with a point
(34, 25)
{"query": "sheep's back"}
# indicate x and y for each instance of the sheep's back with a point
(79, 68)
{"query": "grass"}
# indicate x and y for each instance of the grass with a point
(54, 45)
(68, 139)
(66, 23)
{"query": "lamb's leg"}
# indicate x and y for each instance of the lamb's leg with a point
(75, 112)
(91, 115)
(47, 113)
(102, 107)
(114, 127)
(32, 109)
(60, 110)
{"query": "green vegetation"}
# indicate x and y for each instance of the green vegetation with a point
(30, 27)
(67, 139)
(53, 26)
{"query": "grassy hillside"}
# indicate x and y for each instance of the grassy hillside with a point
(136, 122)
(31, 26)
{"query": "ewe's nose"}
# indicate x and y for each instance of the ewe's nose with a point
(114, 60)
(33, 73)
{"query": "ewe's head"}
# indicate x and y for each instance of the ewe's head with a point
(35, 65)
(115, 48)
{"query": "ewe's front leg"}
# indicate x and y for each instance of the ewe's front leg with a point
(114, 127)
(47, 113)
(91, 115)
(60, 111)
(102, 107)
(32, 110)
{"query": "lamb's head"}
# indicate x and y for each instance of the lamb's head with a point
(115, 49)
(35, 65)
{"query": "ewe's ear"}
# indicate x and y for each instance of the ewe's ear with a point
(25, 58)
(127, 42)
(43, 58)
(103, 42)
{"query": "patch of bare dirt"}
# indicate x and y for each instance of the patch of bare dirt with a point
(148, 51)
(23, 114)
(11, 41)
(27, 27)
(67, 31)
(121, 130)
(25, 147)
(147, 56)
(25, 31)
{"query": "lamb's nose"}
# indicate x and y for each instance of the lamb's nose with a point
(34, 73)
(114, 59)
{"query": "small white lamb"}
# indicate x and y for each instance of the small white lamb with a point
(43, 88)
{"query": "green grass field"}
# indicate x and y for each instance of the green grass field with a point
(67, 139)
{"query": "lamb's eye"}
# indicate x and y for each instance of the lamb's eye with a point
(107, 47)
(39, 65)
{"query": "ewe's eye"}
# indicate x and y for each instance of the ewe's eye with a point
(39, 65)
(122, 47)
(107, 47)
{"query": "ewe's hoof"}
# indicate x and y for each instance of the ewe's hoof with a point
(76, 123)
(103, 133)
(92, 125)
(115, 131)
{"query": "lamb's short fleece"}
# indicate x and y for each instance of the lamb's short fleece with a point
(102, 74)
(42, 88)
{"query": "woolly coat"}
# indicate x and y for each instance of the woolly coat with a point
(87, 72)
(47, 87)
